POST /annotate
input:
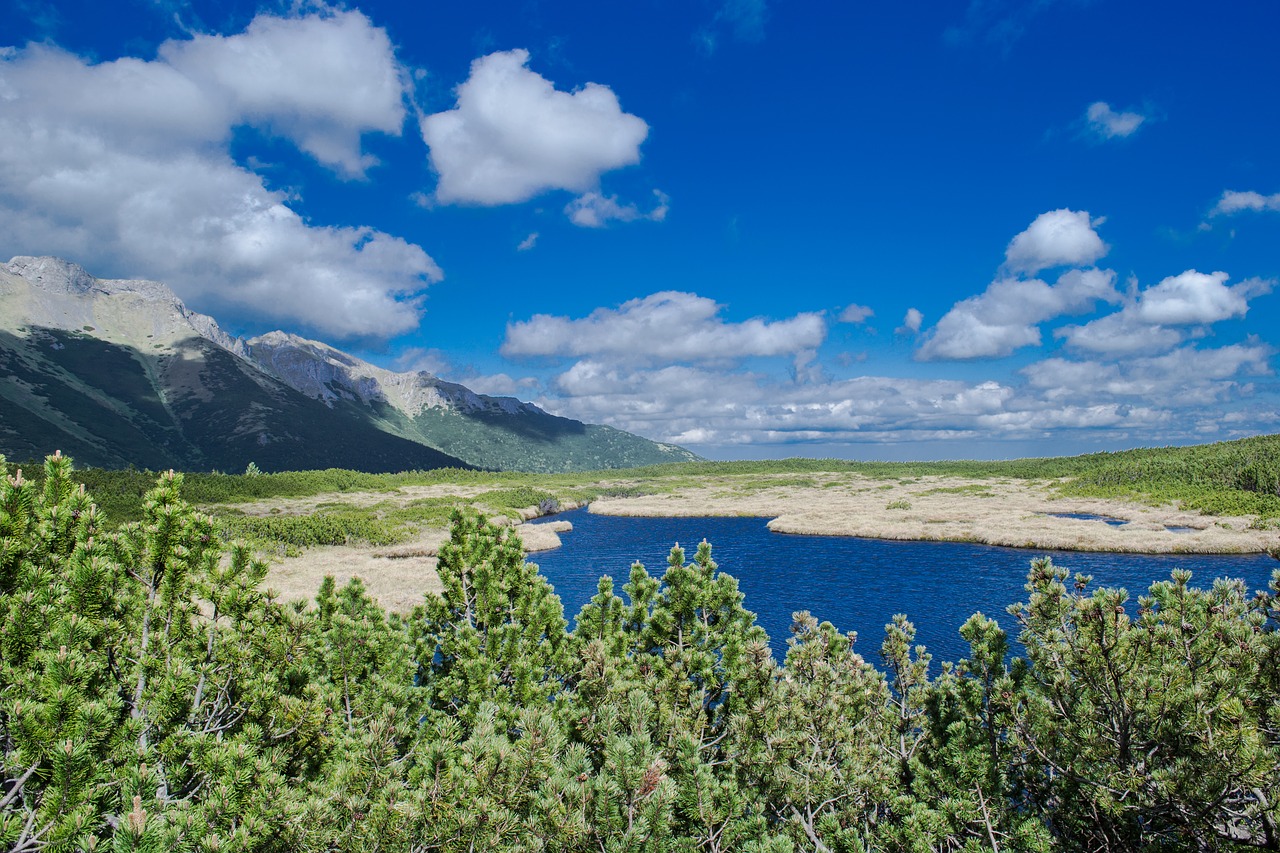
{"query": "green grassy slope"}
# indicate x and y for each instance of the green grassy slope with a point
(535, 442)
(199, 408)
(1230, 478)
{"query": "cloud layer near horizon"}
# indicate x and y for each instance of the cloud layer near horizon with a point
(672, 367)
(124, 166)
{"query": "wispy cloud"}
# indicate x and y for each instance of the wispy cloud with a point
(1233, 202)
(593, 210)
(1102, 122)
(856, 314)
(743, 19)
(528, 242)
(999, 23)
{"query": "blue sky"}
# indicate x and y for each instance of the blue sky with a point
(874, 230)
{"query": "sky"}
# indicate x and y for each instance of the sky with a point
(755, 228)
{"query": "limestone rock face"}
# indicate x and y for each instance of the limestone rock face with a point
(318, 370)
(57, 294)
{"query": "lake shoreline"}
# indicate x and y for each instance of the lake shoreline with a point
(1004, 513)
(1011, 514)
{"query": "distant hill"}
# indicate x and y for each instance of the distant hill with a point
(121, 373)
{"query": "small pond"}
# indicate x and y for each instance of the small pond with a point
(1089, 516)
(856, 584)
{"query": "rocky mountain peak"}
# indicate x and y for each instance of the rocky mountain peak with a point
(52, 274)
(64, 295)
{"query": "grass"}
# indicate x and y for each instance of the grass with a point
(1237, 478)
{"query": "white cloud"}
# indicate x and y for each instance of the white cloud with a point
(424, 360)
(1233, 202)
(670, 367)
(593, 210)
(1119, 334)
(513, 135)
(1192, 297)
(500, 384)
(1150, 322)
(528, 242)
(1006, 316)
(1185, 378)
(910, 322)
(666, 326)
(438, 364)
(859, 314)
(703, 406)
(1106, 123)
(1057, 238)
(321, 81)
(124, 168)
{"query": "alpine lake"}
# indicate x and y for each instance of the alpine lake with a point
(857, 584)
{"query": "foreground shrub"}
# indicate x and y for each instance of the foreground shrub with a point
(154, 697)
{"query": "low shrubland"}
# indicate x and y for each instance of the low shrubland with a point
(154, 697)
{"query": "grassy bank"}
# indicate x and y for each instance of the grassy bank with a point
(1237, 478)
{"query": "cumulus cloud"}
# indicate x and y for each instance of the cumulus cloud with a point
(1157, 318)
(666, 326)
(438, 364)
(513, 135)
(1056, 239)
(1006, 316)
(1233, 202)
(1184, 378)
(858, 314)
(703, 406)
(321, 82)
(124, 167)
(707, 407)
(670, 367)
(1105, 123)
(911, 322)
(593, 210)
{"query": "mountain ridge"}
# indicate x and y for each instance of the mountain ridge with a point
(120, 372)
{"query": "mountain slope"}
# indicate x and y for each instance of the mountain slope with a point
(491, 432)
(120, 373)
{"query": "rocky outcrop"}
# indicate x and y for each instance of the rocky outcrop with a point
(318, 370)
(56, 294)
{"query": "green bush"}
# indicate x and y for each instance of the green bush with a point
(154, 698)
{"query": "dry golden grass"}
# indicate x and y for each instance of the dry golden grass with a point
(1017, 514)
(995, 512)
(397, 576)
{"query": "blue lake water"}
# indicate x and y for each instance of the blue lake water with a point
(856, 584)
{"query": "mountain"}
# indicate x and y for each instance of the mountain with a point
(119, 373)
(491, 432)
